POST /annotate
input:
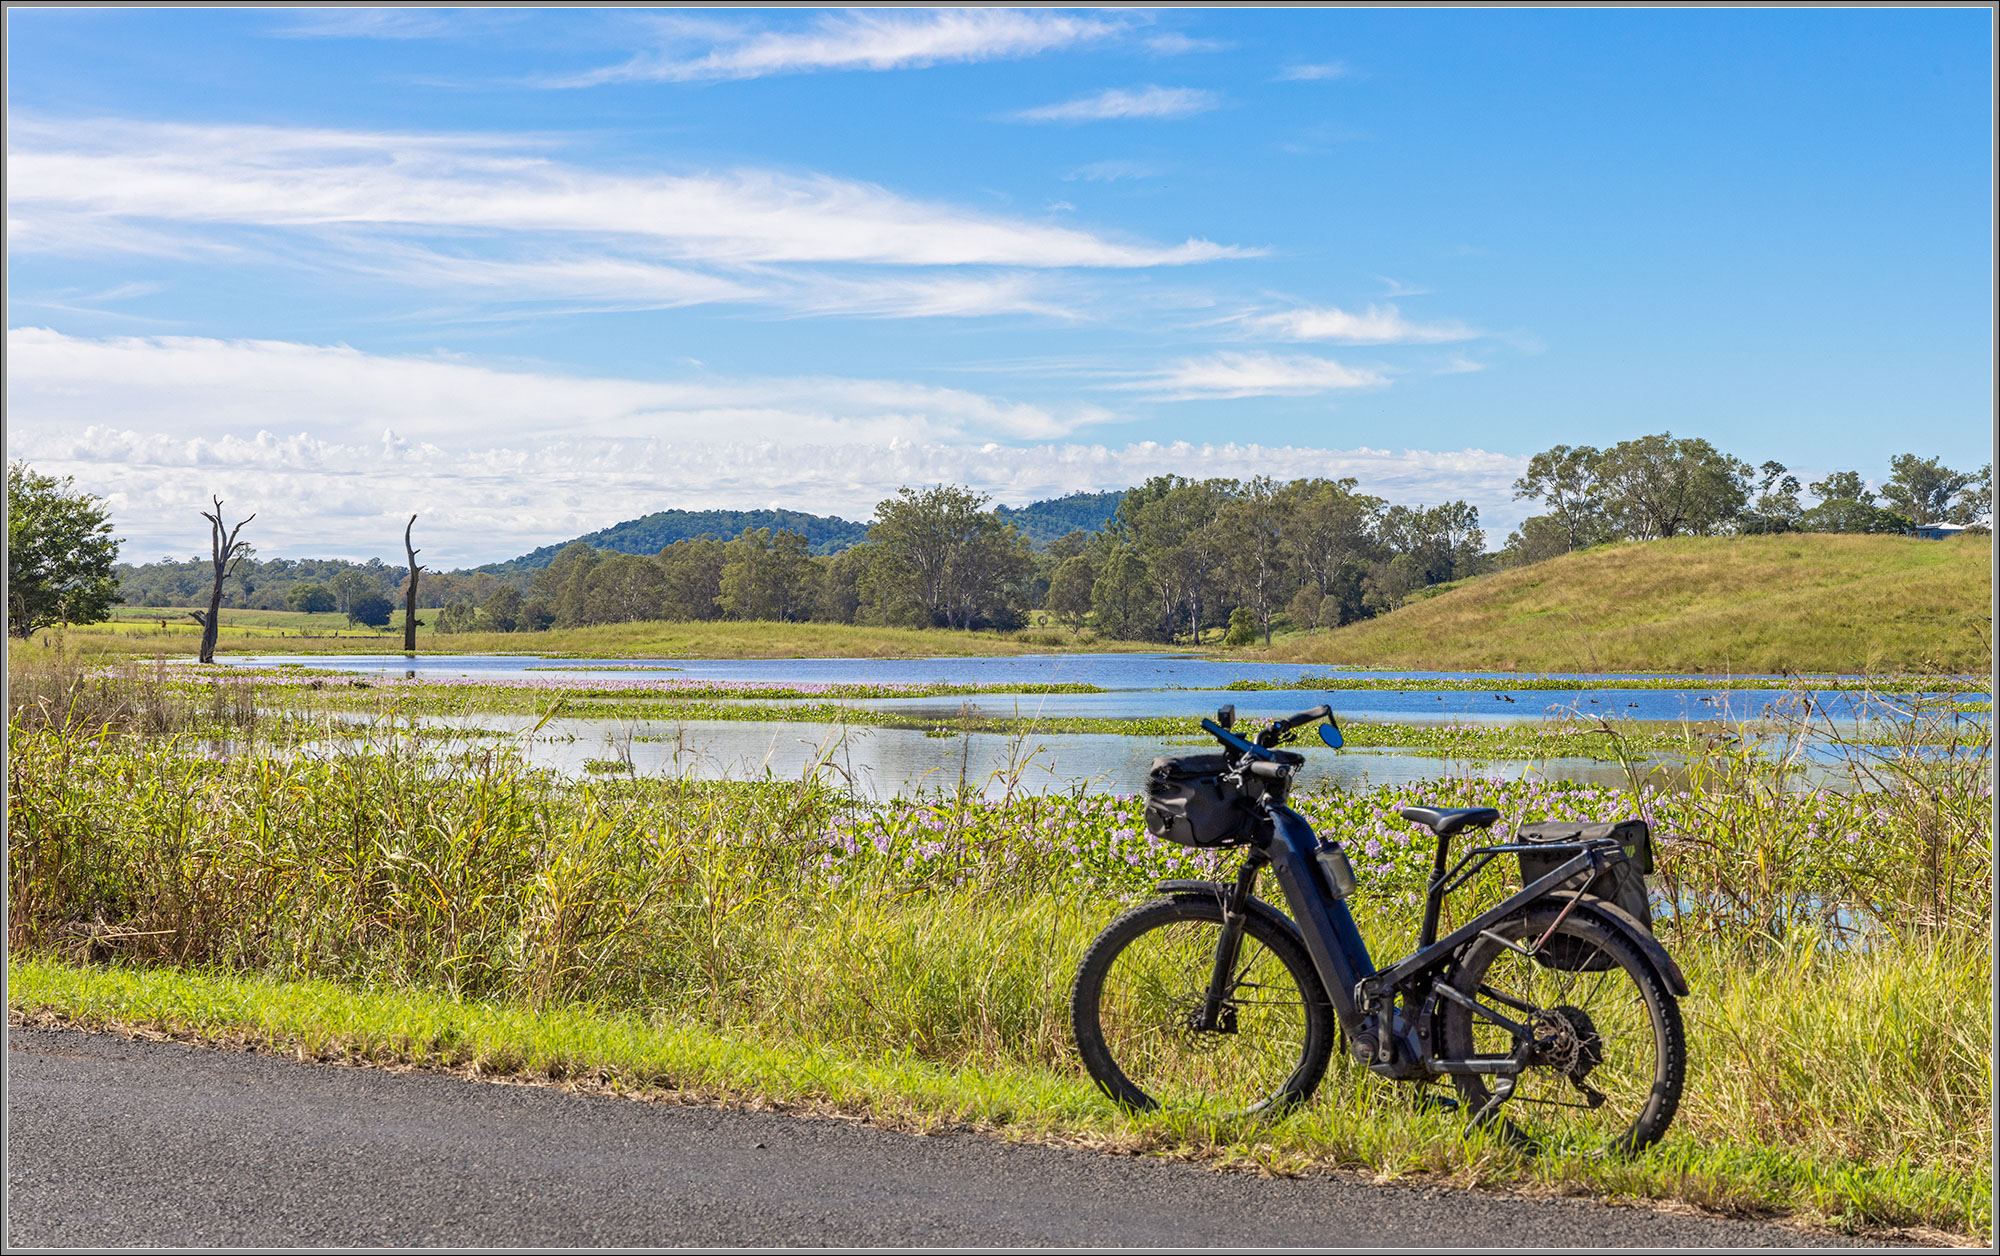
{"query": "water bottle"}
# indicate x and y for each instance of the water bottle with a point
(1339, 872)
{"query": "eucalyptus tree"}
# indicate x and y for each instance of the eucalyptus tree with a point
(410, 620)
(768, 575)
(1124, 599)
(1659, 487)
(1069, 595)
(1923, 488)
(1776, 508)
(225, 551)
(1173, 522)
(691, 578)
(1252, 528)
(942, 559)
(1565, 479)
(1975, 500)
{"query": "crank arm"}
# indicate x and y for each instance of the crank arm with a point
(1499, 1066)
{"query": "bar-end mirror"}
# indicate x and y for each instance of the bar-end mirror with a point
(1329, 733)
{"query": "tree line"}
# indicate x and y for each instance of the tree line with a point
(1178, 558)
(1656, 486)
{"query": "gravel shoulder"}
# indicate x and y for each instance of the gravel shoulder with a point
(113, 1141)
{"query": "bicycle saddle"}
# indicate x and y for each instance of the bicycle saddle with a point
(1445, 821)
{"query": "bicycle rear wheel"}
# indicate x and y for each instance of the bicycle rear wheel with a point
(1610, 1053)
(1136, 1010)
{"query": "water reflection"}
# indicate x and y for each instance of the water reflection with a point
(1138, 685)
(885, 762)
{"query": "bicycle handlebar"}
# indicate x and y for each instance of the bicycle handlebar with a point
(1269, 737)
(1238, 744)
(1259, 752)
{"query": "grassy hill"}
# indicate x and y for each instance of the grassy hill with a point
(1801, 602)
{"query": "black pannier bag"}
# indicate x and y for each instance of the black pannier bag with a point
(1623, 883)
(1189, 804)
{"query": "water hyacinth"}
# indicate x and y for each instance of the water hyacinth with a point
(1832, 850)
(639, 684)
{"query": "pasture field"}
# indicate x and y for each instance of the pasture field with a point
(143, 630)
(1805, 602)
(392, 899)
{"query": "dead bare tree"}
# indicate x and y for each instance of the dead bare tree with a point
(225, 551)
(410, 620)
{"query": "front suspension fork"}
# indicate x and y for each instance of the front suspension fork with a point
(1229, 947)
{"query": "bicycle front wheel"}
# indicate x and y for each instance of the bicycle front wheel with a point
(1609, 1054)
(1136, 1010)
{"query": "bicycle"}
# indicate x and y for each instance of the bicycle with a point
(1211, 1000)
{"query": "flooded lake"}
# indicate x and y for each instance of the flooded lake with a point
(882, 762)
(886, 762)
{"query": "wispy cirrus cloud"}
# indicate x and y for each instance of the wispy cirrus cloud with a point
(190, 385)
(1376, 325)
(1221, 376)
(1314, 73)
(333, 447)
(379, 23)
(1111, 171)
(499, 217)
(1176, 44)
(305, 179)
(865, 40)
(1160, 103)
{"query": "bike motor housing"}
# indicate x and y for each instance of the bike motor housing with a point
(1623, 883)
(1189, 803)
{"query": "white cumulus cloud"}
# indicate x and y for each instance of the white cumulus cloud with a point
(334, 447)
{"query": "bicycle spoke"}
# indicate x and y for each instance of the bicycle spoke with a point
(1152, 1008)
(1596, 1063)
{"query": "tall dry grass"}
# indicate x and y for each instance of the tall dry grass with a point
(1839, 1004)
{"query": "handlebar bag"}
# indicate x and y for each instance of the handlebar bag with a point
(1189, 804)
(1623, 883)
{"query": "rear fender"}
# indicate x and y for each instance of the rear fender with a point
(1617, 919)
(1216, 891)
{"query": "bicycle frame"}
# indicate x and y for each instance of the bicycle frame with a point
(1391, 1039)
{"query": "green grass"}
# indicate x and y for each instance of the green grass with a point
(146, 630)
(781, 939)
(1356, 1123)
(1800, 602)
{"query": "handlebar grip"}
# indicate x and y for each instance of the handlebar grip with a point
(1269, 771)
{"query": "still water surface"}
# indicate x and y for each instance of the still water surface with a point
(884, 762)
(887, 762)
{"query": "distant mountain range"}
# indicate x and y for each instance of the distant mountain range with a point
(1044, 521)
(1040, 522)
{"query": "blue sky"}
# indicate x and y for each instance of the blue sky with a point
(533, 272)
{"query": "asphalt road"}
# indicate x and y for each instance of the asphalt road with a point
(115, 1142)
